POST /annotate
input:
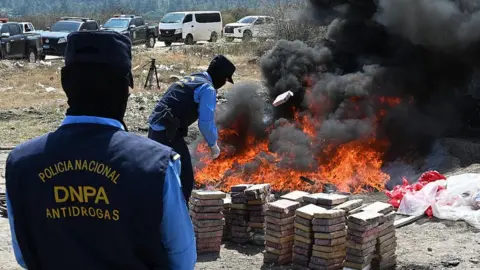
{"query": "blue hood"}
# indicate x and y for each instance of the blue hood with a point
(49, 34)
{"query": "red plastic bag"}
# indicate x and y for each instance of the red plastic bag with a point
(431, 176)
(396, 195)
(429, 212)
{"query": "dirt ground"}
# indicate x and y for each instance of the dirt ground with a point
(31, 107)
(426, 244)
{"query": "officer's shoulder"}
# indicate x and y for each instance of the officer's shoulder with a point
(138, 143)
(145, 151)
(29, 148)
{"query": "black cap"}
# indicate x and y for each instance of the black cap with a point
(100, 47)
(221, 66)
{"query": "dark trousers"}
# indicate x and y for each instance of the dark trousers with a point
(178, 145)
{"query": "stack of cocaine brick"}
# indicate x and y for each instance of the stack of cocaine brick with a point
(303, 238)
(227, 229)
(329, 228)
(384, 256)
(325, 200)
(241, 232)
(206, 212)
(361, 239)
(296, 196)
(350, 207)
(257, 198)
(279, 219)
(371, 238)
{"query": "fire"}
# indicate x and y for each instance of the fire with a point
(351, 167)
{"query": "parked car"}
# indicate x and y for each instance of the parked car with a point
(55, 38)
(260, 27)
(133, 27)
(14, 44)
(27, 27)
(190, 27)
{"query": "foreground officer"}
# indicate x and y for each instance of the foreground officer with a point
(90, 195)
(192, 98)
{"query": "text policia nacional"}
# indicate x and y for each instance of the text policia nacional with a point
(81, 194)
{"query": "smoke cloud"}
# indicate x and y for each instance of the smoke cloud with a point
(439, 24)
(397, 71)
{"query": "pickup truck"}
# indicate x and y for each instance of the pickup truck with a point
(55, 38)
(14, 44)
(27, 27)
(135, 28)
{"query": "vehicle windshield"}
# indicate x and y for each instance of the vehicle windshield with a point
(65, 27)
(247, 19)
(173, 18)
(116, 23)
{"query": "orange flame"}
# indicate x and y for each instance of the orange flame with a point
(352, 167)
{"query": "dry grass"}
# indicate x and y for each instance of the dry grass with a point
(189, 59)
(26, 86)
(28, 109)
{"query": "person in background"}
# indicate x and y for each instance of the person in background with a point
(91, 195)
(186, 101)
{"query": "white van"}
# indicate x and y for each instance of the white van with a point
(190, 27)
(260, 27)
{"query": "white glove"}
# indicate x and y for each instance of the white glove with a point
(215, 151)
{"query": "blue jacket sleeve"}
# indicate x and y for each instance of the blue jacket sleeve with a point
(206, 97)
(16, 247)
(177, 228)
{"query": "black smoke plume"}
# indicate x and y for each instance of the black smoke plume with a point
(242, 117)
(402, 71)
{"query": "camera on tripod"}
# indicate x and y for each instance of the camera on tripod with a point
(151, 72)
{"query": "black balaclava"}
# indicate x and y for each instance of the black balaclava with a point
(220, 70)
(96, 90)
(218, 80)
(97, 73)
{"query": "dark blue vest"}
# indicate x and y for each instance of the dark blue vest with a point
(178, 102)
(89, 196)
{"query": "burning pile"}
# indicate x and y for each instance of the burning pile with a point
(374, 92)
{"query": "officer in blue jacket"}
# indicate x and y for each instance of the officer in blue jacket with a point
(186, 101)
(91, 195)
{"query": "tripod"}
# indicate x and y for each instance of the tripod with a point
(149, 80)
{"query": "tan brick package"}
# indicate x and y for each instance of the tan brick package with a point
(206, 211)
(296, 196)
(278, 242)
(303, 239)
(329, 228)
(385, 248)
(325, 200)
(363, 232)
(257, 197)
(239, 217)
